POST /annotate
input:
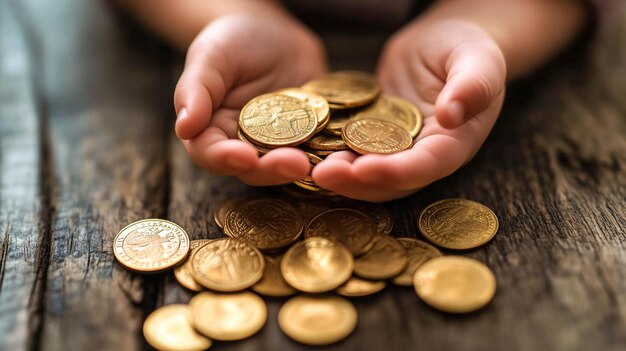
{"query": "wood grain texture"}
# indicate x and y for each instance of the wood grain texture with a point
(86, 146)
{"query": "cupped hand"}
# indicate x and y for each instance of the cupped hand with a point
(234, 59)
(455, 73)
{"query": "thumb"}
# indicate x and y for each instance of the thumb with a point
(476, 74)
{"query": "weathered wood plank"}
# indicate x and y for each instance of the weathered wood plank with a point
(105, 98)
(24, 219)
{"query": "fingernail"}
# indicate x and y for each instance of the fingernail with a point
(456, 110)
(182, 114)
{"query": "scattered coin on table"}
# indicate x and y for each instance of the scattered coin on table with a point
(307, 241)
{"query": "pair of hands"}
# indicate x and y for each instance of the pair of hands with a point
(452, 70)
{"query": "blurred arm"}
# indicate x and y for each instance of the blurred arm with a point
(179, 21)
(528, 32)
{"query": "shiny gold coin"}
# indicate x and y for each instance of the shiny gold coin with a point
(387, 258)
(352, 228)
(346, 89)
(224, 208)
(227, 264)
(455, 284)
(374, 136)
(317, 102)
(273, 283)
(324, 141)
(151, 245)
(307, 185)
(458, 224)
(260, 148)
(418, 252)
(268, 224)
(182, 272)
(317, 265)
(338, 120)
(228, 316)
(169, 328)
(277, 120)
(317, 320)
(313, 159)
(356, 287)
(319, 153)
(397, 110)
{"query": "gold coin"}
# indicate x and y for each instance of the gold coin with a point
(267, 224)
(317, 265)
(324, 141)
(317, 320)
(151, 245)
(317, 102)
(169, 328)
(455, 284)
(228, 316)
(319, 153)
(355, 287)
(346, 89)
(352, 228)
(380, 215)
(458, 224)
(307, 185)
(313, 159)
(224, 208)
(273, 283)
(260, 148)
(227, 264)
(182, 272)
(418, 252)
(368, 135)
(337, 121)
(397, 110)
(277, 120)
(386, 259)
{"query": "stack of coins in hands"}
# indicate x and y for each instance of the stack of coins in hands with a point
(327, 250)
(340, 111)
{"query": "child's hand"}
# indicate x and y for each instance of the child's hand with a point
(455, 73)
(234, 59)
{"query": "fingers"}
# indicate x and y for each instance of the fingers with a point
(278, 166)
(207, 76)
(476, 76)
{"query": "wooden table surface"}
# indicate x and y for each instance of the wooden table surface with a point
(87, 146)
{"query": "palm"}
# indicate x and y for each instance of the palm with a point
(233, 60)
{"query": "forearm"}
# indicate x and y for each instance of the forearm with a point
(179, 21)
(527, 31)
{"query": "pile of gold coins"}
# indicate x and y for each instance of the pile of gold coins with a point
(341, 111)
(317, 253)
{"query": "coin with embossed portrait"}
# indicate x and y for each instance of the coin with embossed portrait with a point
(317, 102)
(151, 245)
(458, 224)
(375, 136)
(277, 120)
(317, 265)
(227, 264)
(182, 272)
(268, 224)
(352, 228)
(346, 89)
